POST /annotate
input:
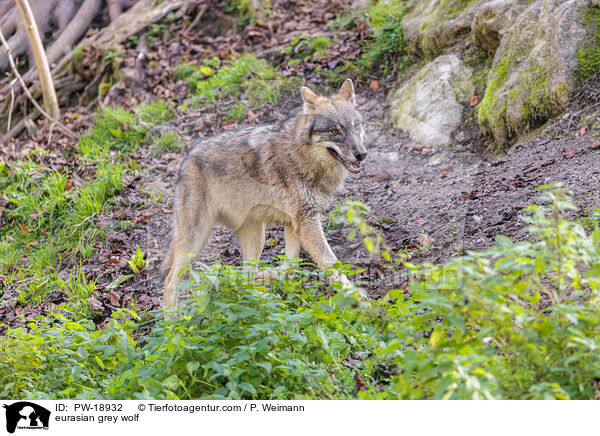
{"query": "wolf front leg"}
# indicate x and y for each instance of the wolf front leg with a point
(313, 239)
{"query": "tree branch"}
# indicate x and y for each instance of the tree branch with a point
(39, 56)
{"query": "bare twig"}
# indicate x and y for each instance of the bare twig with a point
(39, 56)
(10, 109)
(26, 90)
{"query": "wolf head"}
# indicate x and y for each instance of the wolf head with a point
(336, 126)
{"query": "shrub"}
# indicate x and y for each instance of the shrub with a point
(519, 320)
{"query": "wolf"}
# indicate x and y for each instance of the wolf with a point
(284, 173)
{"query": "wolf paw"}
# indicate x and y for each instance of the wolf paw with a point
(341, 278)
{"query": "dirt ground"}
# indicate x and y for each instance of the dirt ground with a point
(431, 202)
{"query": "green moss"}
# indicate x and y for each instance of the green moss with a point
(481, 63)
(588, 55)
(485, 109)
(452, 8)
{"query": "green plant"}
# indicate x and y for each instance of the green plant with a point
(245, 76)
(78, 290)
(168, 142)
(117, 128)
(592, 219)
(386, 49)
(156, 113)
(519, 320)
(236, 112)
(242, 9)
(52, 220)
(137, 261)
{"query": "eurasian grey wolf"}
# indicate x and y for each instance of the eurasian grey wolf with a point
(283, 173)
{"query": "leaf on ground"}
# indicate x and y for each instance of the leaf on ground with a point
(474, 100)
(114, 298)
(119, 281)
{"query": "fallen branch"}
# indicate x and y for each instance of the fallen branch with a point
(76, 28)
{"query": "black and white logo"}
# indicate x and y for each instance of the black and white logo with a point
(26, 415)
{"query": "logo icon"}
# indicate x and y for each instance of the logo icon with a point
(26, 415)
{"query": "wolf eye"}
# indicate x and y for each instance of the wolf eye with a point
(334, 131)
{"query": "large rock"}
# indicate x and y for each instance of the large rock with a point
(492, 18)
(533, 72)
(429, 26)
(430, 105)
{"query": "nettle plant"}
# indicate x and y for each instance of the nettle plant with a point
(519, 320)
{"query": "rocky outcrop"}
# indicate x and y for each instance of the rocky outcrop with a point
(430, 105)
(431, 25)
(534, 67)
(492, 18)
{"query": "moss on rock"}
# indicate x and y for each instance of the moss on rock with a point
(431, 25)
(533, 72)
(588, 55)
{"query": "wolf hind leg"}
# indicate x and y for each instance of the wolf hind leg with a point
(184, 248)
(252, 240)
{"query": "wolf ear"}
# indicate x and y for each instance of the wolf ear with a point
(310, 99)
(347, 91)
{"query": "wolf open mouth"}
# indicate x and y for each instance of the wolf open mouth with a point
(352, 166)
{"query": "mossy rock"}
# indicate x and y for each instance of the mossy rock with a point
(492, 18)
(431, 25)
(534, 69)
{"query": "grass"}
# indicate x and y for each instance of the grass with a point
(156, 113)
(246, 78)
(51, 219)
(386, 50)
(383, 52)
(166, 143)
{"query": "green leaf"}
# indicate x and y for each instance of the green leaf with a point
(245, 386)
(99, 362)
(83, 352)
(117, 133)
(266, 365)
(457, 321)
(192, 367)
(120, 280)
(436, 337)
